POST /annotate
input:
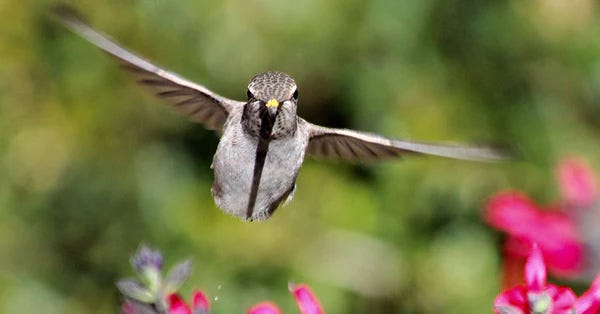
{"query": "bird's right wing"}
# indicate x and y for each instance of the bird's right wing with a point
(197, 102)
(353, 146)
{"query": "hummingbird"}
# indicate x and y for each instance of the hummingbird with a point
(264, 142)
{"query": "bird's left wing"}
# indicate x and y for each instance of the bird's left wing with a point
(353, 146)
(197, 102)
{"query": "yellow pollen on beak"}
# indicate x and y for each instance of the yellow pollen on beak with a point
(272, 103)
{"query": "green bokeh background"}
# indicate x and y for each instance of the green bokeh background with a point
(91, 165)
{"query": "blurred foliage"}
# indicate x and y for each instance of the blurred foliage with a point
(92, 166)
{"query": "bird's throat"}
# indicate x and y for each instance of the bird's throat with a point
(259, 162)
(262, 147)
(267, 120)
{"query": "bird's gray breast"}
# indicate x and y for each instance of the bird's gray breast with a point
(234, 169)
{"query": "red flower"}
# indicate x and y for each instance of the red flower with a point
(577, 182)
(536, 296)
(525, 223)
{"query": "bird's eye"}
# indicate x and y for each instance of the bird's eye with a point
(249, 94)
(295, 94)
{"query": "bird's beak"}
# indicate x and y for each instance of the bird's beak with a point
(272, 106)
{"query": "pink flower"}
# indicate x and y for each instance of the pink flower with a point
(525, 223)
(160, 296)
(305, 298)
(264, 308)
(577, 182)
(177, 305)
(536, 296)
(200, 304)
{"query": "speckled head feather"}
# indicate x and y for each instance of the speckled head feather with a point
(272, 85)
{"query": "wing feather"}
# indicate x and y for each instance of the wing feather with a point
(196, 101)
(353, 146)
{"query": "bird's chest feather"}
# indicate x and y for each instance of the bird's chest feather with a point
(234, 164)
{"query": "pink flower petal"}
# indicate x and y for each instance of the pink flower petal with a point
(563, 257)
(264, 308)
(515, 297)
(136, 307)
(577, 182)
(306, 299)
(557, 238)
(535, 270)
(565, 261)
(508, 310)
(513, 212)
(177, 305)
(200, 302)
(128, 307)
(554, 232)
(589, 302)
(596, 283)
(563, 299)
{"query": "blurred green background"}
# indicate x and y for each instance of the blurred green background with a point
(92, 165)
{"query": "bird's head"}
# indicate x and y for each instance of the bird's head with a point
(271, 108)
(273, 92)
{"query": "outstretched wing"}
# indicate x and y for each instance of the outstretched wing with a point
(196, 101)
(353, 145)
